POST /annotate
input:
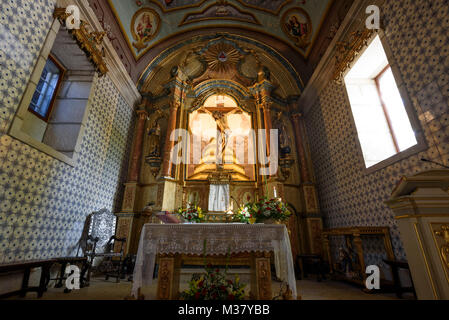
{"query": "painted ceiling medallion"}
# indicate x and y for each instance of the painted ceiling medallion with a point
(297, 24)
(222, 57)
(145, 25)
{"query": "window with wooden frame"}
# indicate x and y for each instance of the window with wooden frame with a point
(47, 89)
(383, 126)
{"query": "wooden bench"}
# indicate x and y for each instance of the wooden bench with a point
(45, 265)
(26, 267)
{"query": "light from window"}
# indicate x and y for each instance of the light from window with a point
(46, 89)
(383, 126)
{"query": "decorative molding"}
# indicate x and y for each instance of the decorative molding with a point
(324, 71)
(348, 51)
(258, 7)
(182, 7)
(221, 13)
(444, 248)
(91, 42)
(117, 71)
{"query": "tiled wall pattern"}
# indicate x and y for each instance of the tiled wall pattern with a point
(43, 201)
(418, 34)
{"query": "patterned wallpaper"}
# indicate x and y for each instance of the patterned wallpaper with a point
(43, 201)
(418, 34)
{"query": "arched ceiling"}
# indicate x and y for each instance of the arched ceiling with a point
(144, 30)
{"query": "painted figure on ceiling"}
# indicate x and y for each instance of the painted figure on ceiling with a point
(297, 28)
(144, 27)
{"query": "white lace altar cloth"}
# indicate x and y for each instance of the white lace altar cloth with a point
(220, 239)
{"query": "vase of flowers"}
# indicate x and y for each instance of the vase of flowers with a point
(246, 214)
(192, 213)
(214, 285)
(272, 211)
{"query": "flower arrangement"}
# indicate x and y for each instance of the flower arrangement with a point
(214, 286)
(192, 213)
(246, 214)
(273, 209)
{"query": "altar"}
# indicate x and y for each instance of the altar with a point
(173, 242)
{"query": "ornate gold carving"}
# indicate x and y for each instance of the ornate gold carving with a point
(222, 57)
(310, 199)
(348, 51)
(264, 279)
(315, 230)
(89, 42)
(128, 202)
(444, 249)
(165, 284)
(261, 277)
(354, 235)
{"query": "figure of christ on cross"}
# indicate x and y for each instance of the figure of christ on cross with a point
(220, 115)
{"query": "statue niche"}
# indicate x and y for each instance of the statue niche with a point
(285, 158)
(154, 141)
(155, 145)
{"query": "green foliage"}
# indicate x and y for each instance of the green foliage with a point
(263, 210)
(192, 213)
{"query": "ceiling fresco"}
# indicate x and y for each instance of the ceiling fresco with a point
(270, 6)
(296, 23)
(295, 33)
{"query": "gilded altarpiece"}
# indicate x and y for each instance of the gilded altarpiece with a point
(210, 116)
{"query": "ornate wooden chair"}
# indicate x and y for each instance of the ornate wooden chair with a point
(98, 242)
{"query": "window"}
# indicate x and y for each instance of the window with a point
(382, 122)
(47, 88)
(52, 113)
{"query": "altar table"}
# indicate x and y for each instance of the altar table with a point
(171, 241)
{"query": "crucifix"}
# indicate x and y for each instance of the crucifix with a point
(220, 115)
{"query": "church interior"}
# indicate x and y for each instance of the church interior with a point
(301, 147)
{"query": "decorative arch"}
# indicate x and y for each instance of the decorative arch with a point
(270, 52)
(209, 88)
